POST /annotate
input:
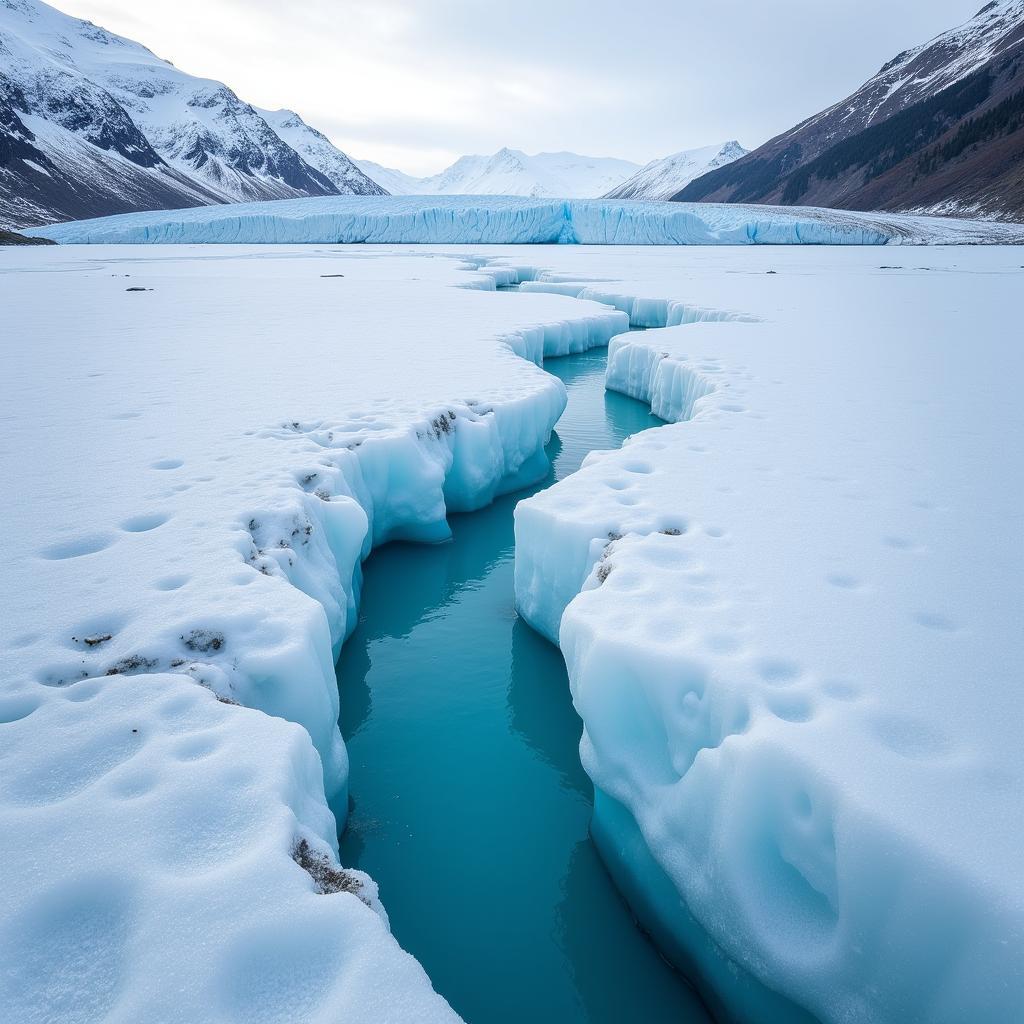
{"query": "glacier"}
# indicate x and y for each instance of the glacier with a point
(515, 221)
(791, 620)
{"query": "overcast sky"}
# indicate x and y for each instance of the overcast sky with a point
(415, 83)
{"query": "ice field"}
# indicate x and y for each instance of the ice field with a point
(791, 617)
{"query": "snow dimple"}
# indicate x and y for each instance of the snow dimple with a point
(73, 944)
(143, 523)
(279, 978)
(76, 547)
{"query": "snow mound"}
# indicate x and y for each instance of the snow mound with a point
(791, 620)
(151, 839)
(507, 220)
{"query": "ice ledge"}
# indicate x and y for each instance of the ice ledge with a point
(511, 220)
(773, 708)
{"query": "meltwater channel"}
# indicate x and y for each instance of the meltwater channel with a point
(468, 803)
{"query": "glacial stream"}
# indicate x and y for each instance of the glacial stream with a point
(469, 806)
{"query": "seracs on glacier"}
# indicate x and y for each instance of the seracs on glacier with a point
(506, 220)
(791, 622)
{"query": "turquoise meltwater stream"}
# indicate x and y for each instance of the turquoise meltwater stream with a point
(468, 803)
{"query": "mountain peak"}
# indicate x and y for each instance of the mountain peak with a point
(514, 173)
(662, 179)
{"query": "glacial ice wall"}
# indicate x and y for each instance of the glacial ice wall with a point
(789, 621)
(508, 220)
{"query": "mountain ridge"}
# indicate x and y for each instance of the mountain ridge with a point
(512, 172)
(939, 128)
(661, 179)
(92, 123)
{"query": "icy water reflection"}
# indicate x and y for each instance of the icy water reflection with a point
(469, 805)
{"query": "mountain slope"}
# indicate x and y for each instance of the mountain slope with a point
(938, 128)
(92, 123)
(396, 182)
(662, 179)
(510, 172)
(318, 151)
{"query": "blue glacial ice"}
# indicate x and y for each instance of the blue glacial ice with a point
(511, 220)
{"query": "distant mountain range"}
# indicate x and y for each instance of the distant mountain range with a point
(510, 172)
(939, 129)
(92, 124)
(662, 179)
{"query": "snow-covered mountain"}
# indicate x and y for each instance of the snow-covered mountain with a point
(92, 123)
(510, 172)
(662, 179)
(395, 182)
(940, 127)
(319, 152)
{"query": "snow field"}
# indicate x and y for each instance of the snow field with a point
(791, 620)
(506, 220)
(201, 462)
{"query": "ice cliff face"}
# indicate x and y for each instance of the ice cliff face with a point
(662, 179)
(93, 123)
(509, 220)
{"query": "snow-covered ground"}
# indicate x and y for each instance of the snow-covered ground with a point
(199, 446)
(792, 620)
(798, 698)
